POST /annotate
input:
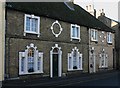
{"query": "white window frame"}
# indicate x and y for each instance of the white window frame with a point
(72, 37)
(95, 35)
(105, 58)
(109, 37)
(79, 60)
(24, 55)
(38, 26)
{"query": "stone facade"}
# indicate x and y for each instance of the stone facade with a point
(17, 42)
(98, 47)
(115, 26)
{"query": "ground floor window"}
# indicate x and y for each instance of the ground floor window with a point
(30, 61)
(103, 60)
(74, 60)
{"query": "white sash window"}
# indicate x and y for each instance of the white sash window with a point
(74, 60)
(94, 35)
(109, 37)
(30, 61)
(75, 32)
(31, 24)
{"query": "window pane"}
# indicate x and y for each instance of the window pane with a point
(22, 64)
(96, 35)
(34, 24)
(79, 62)
(31, 60)
(110, 37)
(75, 60)
(77, 32)
(27, 24)
(30, 64)
(73, 31)
(103, 60)
(39, 62)
(92, 33)
(70, 61)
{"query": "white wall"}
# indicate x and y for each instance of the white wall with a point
(2, 38)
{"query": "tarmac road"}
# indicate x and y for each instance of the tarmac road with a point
(107, 79)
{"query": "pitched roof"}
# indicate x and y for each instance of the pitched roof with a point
(60, 11)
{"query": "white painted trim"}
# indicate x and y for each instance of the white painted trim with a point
(59, 61)
(60, 65)
(79, 55)
(38, 26)
(51, 64)
(94, 35)
(36, 56)
(61, 29)
(77, 38)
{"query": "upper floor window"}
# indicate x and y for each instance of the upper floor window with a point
(109, 37)
(74, 60)
(94, 35)
(30, 61)
(31, 24)
(75, 32)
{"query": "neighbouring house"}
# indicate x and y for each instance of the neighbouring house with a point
(102, 43)
(115, 26)
(55, 39)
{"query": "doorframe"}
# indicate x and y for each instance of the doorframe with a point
(94, 60)
(59, 61)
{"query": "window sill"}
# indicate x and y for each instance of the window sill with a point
(109, 43)
(30, 73)
(28, 32)
(94, 40)
(103, 67)
(75, 69)
(74, 38)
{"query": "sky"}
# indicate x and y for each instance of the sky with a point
(110, 6)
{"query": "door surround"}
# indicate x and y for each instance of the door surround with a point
(92, 61)
(59, 60)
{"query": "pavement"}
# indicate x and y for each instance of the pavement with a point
(70, 81)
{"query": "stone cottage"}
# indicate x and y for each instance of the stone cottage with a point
(55, 40)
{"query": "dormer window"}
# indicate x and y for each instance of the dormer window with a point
(94, 35)
(75, 32)
(109, 37)
(31, 24)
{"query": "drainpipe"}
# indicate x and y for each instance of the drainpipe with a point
(5, 37)
(7, 47)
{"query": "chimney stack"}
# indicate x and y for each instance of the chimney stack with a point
(91, 10)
